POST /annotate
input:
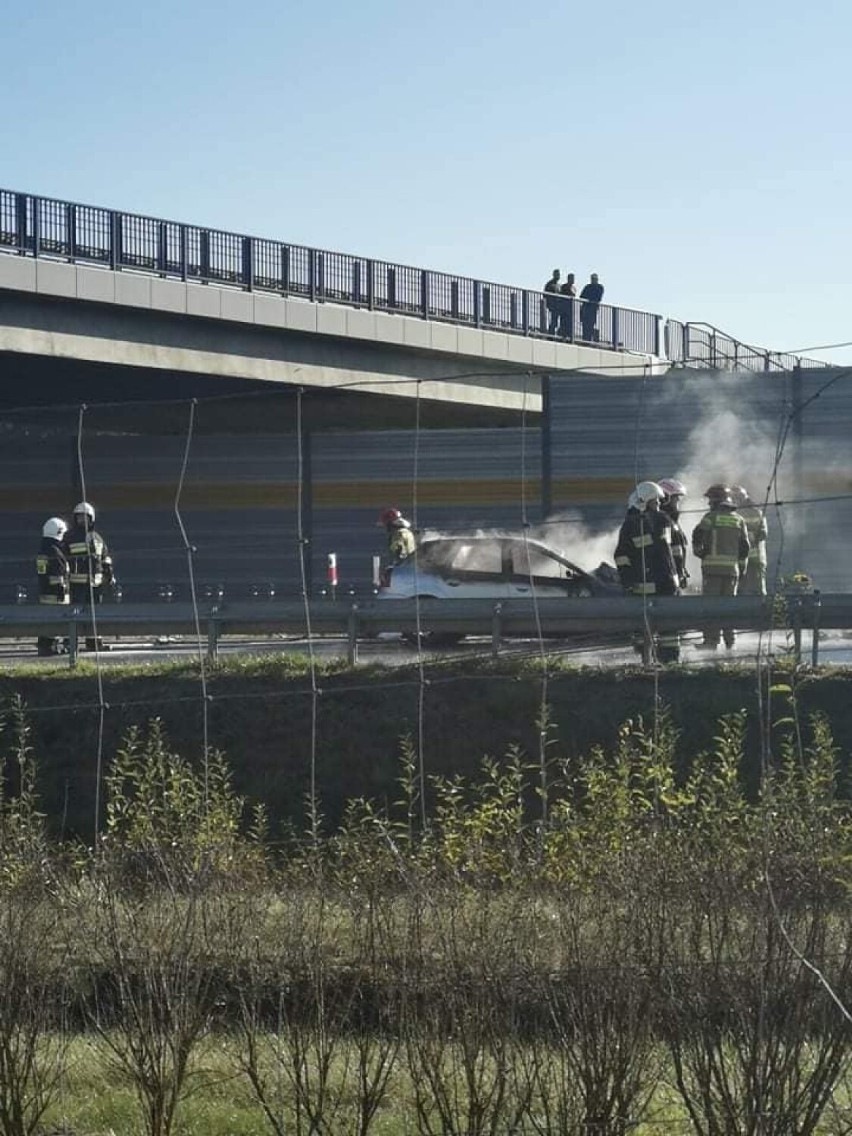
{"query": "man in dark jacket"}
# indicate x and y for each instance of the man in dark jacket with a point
(591, 296)
(552, 302)
(52, 573)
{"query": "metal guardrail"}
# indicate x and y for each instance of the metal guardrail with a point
(47, 227)
(517, 618)
(37, 226)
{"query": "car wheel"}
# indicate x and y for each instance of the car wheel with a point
(433, 638)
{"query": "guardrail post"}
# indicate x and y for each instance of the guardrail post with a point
(513, 311)
(525, 312)
(248, 264)
(615, 328)
(320, 276)
(477, 304)
(496, 628)
(486, 304)
(656, 335)
(184, 253)
(391, 287)
(816, 610)
(796, 621)
(213, 638)
(71, 229)
(21, 221)
(204, 254)
(312, 275)
(424, 294)
(356, 282)
(115, 249)
(162, 249)
(72, 643)
(285, 269)
(352, 635)
(454, 299)
(371, 285)
(36, 222)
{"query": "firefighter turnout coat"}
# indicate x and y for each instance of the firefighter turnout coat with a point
(643, 554)
(754, 582)
(720, 541)
(52, 573)
(89, 562)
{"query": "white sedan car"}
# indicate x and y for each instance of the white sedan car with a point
(492, 567)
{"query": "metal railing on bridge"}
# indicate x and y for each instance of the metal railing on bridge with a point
(47, 227)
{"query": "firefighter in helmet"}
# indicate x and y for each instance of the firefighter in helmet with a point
(754, 581)
(52, 573)
(643, 556)
(720, 541)
(401, 543)
(675, 491)
(89, 562)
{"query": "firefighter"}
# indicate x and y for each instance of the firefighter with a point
(720, 541)
(401, 543)
(52, 573)
(89, 562)
(754, 581)
(675, 491)
(643, 556)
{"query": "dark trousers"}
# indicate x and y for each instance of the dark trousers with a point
(80, 596)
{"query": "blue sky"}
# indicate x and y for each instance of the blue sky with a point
(698, 159)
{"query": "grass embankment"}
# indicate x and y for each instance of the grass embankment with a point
(260, 713)
(627, 959)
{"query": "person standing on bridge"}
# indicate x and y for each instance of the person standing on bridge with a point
(89, 562)
(754, 581)
(52, 573)
(591, 296)
(552, 302)
(568, 292)
(720, 541)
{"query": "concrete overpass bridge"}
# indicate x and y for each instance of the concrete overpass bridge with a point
(434, 392)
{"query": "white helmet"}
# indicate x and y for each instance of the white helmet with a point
(85, 509)
(672, 487)
(55, 528)
(647, 492)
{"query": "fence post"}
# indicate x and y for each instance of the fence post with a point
(454, 299)
(424, 294)
(248, 264)
(477, 304)
(71, 227)
(525, 311)
(320, 281)
(391, 287)
(21, 220)
(352, 635)
(36, 221)
(204, 254)
(356, 282)
(615, 327)
(162, 248)
(115, 250)
(371, 282)
(486, 304)
(496, 628)
(513, 310)
(285, 269)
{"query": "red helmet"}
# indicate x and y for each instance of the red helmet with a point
(388, 516)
